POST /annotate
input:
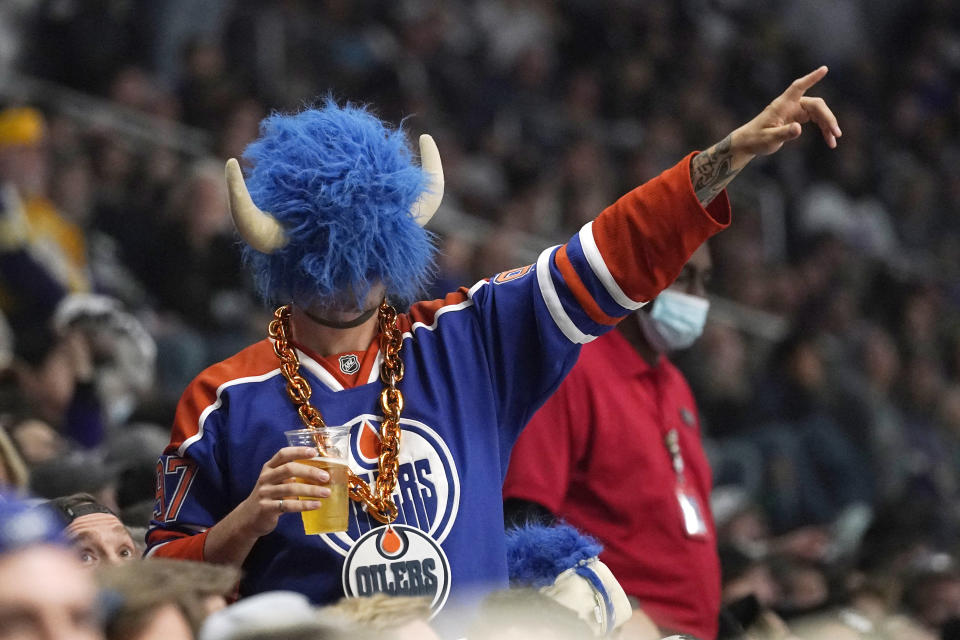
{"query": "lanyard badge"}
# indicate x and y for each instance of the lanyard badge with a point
(694, 524)
(690, 509)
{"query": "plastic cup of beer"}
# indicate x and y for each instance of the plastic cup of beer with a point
(332, 443)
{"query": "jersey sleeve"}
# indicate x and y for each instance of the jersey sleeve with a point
(190, 492)
(534, 319)
(636, 248)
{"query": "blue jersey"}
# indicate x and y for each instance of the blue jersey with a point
(478, 364)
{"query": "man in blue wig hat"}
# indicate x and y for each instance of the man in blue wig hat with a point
(332, 213)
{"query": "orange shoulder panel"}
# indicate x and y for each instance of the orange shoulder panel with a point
(426, 311)
(255, 360)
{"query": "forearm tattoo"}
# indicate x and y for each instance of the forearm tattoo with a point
(712, 170)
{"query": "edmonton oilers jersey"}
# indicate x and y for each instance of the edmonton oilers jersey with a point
(478, 364)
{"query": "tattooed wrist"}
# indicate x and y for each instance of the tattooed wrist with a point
(712, 170)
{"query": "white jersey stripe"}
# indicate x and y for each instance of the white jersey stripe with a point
(476, 287)
(218, 403)
(552, 300)
(599, 267)
(442, 310)
(375, 370)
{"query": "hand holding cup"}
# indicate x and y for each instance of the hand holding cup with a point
(282, 479)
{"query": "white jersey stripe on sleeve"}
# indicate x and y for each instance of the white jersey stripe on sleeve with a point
(442, 310)
(552, 300)
(599, 267)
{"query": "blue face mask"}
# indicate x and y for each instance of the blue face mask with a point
(675, 320)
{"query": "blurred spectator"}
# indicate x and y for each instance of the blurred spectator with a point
(55, 380)
(932, 592)
(31, 220)
(13, 472)
(814, 470)
(140, 607)
(36, 441)
(196, 590)
(133, 453)
(745, 576)
(279, 615)
(206, 90)
(120, 368)
(82, 372)
(95, 531)
(205, 284)
(204, 290)
(44, 590)
(76, 471)
(400, 617)
(524, 613)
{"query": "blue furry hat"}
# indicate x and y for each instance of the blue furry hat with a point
(537, 554)
(341, 183)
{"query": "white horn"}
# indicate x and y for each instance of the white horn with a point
(429, 201)
(260, 230)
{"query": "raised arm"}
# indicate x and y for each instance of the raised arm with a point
(712, 170)
(635, 248)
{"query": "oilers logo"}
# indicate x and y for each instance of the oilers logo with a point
(400, 561)
(513, 274)
(427, 494)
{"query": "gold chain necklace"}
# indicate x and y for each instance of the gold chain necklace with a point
(379, 501)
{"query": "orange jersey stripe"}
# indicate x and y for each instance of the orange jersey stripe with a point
(163, 535)
(572, 279)
(187, 547)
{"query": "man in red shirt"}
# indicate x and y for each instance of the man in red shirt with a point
(616, 452)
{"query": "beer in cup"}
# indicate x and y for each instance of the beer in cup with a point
(331, 442)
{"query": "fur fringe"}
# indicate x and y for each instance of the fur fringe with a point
(537, 554)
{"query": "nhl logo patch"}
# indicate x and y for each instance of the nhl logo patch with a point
(398, 560)
(349, 364)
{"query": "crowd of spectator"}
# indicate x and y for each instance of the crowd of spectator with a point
(828, 377)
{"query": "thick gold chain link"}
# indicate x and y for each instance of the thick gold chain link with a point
(379, 501)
